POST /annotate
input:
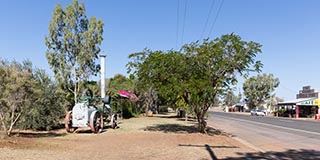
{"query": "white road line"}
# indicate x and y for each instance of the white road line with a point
(284, 120)
(270, 125)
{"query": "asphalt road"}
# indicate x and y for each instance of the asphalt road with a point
(270, 134)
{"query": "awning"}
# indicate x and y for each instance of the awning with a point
(301, 101)
(128, 94)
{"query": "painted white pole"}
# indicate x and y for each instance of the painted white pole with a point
(102, 74)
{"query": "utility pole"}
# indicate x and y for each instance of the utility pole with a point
(270, 98)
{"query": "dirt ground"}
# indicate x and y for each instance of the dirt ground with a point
(157, 137)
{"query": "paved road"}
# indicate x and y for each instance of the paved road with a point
(268, 134)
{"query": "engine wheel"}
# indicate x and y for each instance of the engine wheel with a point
(114, 122)
(95, 121)
(68, 123)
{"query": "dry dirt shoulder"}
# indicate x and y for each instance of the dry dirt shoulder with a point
(158, 137)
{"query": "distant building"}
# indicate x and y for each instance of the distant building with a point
(306, 104)
(307, 92)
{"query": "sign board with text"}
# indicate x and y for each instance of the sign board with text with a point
(312, 102)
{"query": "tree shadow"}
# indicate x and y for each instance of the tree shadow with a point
(290, 154)
(87, 130)
(171, 128)
(161, 115)
(170, 115)
(83, 131)
(37, 134)
(177, 128)
(60, 126)
(206, 145)
(208, 148)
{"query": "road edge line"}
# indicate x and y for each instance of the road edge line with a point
(249, 144)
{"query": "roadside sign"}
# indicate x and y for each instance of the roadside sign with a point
(314, 102)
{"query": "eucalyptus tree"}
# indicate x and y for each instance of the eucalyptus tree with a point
(198, 72)
(16, 91)
(73, 45)
(258, 89)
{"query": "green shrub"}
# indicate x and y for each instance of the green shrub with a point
(46, 111)
(163, 109)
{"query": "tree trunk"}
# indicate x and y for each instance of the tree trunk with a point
(13, 122)
(4, 125)
(75, 84)
(147, 109)
(202, 124)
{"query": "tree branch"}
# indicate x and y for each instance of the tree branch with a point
(13, 123)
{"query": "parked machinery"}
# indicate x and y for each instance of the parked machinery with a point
(92, 112)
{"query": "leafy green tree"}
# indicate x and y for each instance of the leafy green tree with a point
(258, 89)
(230, 98)
(273, 101)
(198, 72)
(120, 82)
(16, 91)
(126, 106)
(73, 45)
(213, 66)
(154, 71)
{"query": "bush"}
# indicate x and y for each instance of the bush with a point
(127, 109)
(282, 113)
(46, 117)
(127, 112)
(46, 111)
(163, 109)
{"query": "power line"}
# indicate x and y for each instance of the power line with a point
(177, 29)
(205, 26)
(215, 19)
(184, 20)
(286, 88)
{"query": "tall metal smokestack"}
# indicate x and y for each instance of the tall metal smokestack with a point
(103, 77)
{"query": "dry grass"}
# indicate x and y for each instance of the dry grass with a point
(159, 137)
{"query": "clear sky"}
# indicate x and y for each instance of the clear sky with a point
(289, 31)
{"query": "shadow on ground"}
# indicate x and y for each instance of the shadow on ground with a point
(37, 134)
(177, 128)
(286, 155)
(88, 130)
(172, 128)
(208, 148)
(166, 115)
(170, 115)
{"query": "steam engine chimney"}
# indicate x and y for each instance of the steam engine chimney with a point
(103, 77)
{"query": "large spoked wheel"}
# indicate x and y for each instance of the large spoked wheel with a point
(95, 121)
(68, 123)
(114, 123)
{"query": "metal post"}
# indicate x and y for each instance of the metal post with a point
(103, 81)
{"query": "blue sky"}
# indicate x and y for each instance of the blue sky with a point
(289, 31)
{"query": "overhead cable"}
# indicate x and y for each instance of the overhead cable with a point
(184, 20)
(215, 19)
(205, 26)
